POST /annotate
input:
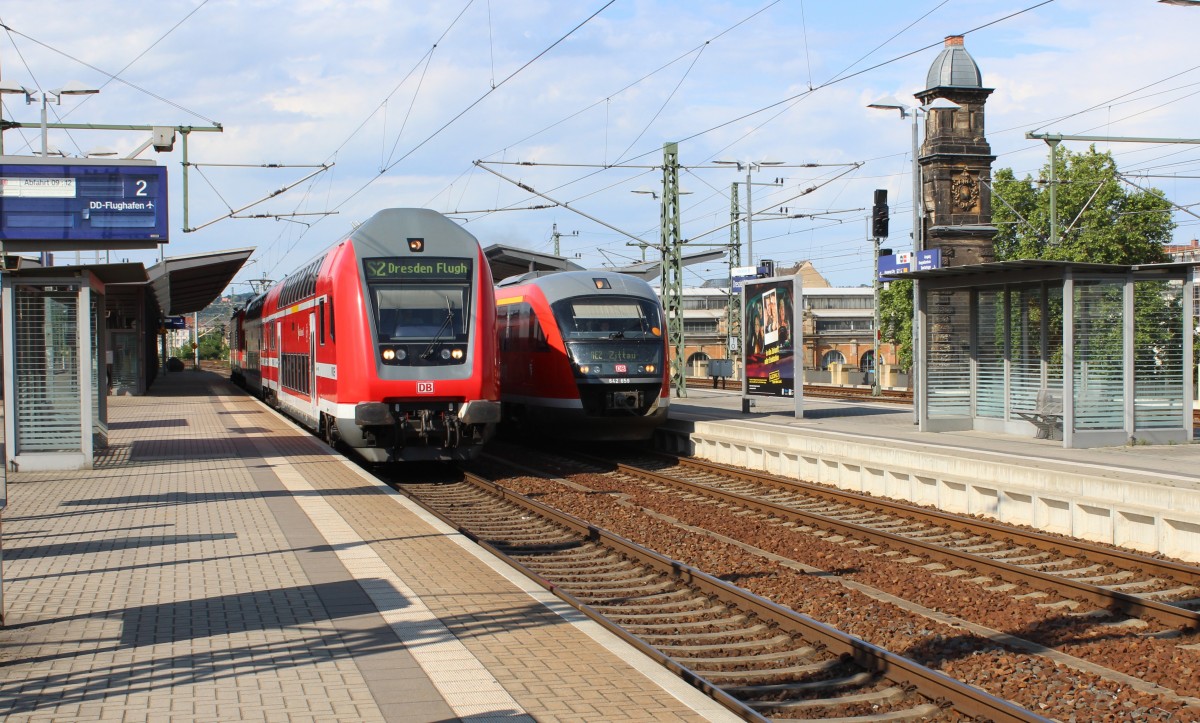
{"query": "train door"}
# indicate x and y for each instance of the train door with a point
(277, 354)
(312, 365)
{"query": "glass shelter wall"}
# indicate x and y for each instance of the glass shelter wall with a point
(1098, 372)
(1092, 354)
(1036, 333)
(1158, 369)
(948, 363)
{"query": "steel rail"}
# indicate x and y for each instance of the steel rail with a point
(939, 687)
(1183, 572)
(1170, 615)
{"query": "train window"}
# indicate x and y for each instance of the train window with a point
(539, 335)
(321, 320)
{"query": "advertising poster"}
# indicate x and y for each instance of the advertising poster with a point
(772, 336)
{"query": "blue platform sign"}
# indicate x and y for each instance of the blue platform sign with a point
(77, 206)
(929, 259)
(904, 262)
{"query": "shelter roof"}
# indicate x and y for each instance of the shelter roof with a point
(183, 284)
(1001, 272)
(509, 261)
(127, 273)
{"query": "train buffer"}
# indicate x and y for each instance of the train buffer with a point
(1047, 414)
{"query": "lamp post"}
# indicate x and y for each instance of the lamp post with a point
(750, 166)
(71, 88)
(918, 230)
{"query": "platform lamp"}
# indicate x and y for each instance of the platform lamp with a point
(918, 231)
(71, 88)
(8, 86)
(749, 166)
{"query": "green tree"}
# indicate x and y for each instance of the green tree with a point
(1100, 218)
(895, 319)
(211, 345)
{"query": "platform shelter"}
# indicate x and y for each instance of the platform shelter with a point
(55, 416)
(1094, 355)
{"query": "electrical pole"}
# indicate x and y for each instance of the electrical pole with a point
(672, 265)
(556, 235)
(733, 310)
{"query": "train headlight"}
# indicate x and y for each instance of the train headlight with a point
(456, 354)
(389, 354)
(445, 354)
(401, 355)
(584, 368)
(650, 368)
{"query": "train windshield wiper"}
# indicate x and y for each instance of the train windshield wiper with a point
(441, 330)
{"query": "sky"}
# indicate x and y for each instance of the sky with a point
(449, 104)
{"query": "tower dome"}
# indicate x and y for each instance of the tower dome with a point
(954, 67)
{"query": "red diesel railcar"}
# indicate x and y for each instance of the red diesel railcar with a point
(582, 355)
(384, 342)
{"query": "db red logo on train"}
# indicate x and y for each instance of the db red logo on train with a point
(424, 387)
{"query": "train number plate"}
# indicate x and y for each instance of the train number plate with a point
(424, 387)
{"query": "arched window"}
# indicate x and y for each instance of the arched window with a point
(832, 356)
(698, 363)
(866, 362)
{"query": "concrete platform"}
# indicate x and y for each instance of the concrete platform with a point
(1143, 497)
(220, 564)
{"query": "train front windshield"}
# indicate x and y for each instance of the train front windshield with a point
(612, 335)
(608, 317)
(420, 313)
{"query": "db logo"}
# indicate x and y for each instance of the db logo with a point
(424, 387)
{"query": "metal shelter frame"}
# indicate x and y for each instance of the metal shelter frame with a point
(1092, 354)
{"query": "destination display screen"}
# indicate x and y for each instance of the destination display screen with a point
(612, 352)
(408, 268)
(64, 207)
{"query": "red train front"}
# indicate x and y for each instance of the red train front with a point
(583, 355)
(385, 342)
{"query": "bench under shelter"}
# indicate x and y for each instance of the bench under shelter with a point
(1094, 355)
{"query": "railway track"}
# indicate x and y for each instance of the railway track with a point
(1099, 652)
(760, 659)
(1110, 582)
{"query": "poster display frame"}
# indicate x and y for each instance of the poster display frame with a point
(770, 361)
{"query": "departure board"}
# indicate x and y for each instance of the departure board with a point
(57, 207)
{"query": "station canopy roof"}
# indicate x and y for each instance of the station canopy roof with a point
(183, 284)
(509, 261)
(999, 272)
(126, 273)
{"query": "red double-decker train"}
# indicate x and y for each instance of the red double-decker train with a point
(582, 355)
(385, 342)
